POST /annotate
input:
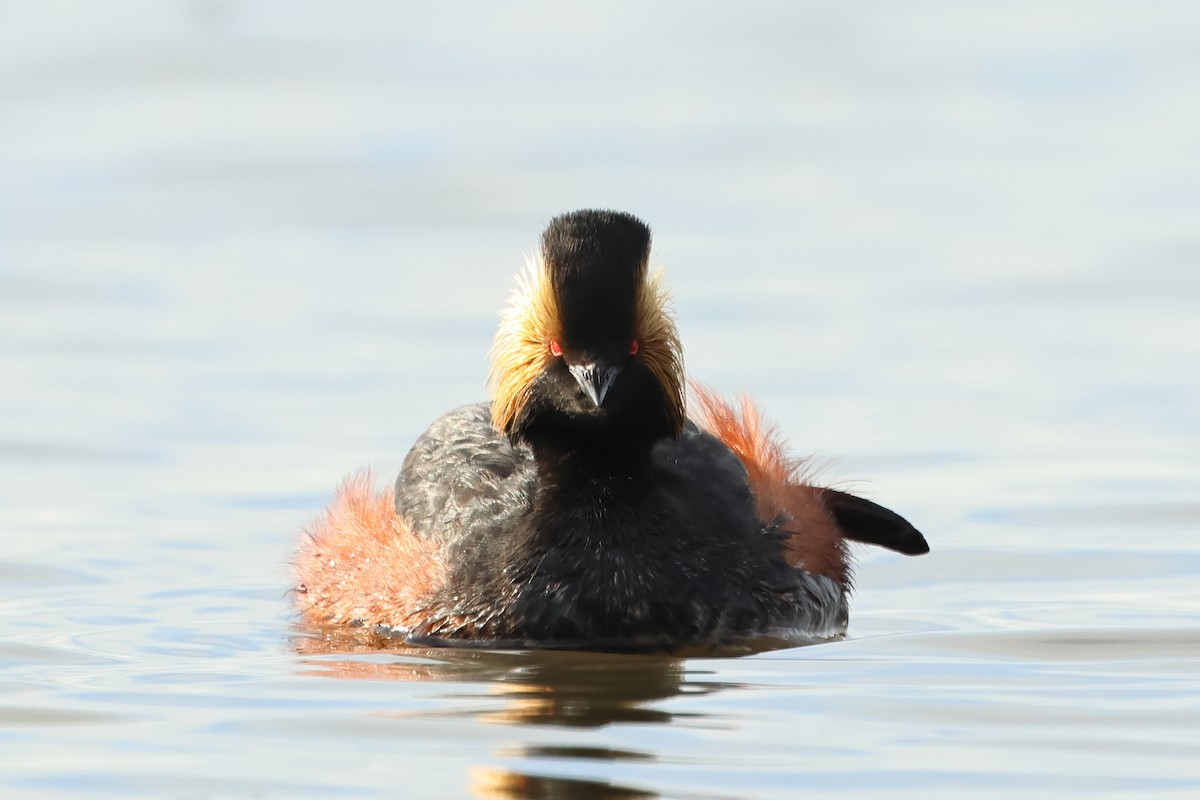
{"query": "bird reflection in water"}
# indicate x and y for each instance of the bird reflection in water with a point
(525, 687)
(504, 785)
(561, 687)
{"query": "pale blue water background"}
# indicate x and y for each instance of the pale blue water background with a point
(249, 247)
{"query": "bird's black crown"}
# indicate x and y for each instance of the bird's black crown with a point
(596, 261)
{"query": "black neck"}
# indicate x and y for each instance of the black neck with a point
(591, 476)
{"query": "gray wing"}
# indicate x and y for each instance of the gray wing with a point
(712, 482)
(699, 464)
(463, 478)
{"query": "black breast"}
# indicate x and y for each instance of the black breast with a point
(672, 551)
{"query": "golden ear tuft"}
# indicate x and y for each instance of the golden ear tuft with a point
(659, 346)
(519, 350)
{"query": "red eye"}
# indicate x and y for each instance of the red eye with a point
(634, 347)
(555, 348)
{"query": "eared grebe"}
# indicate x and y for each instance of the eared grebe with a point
(582, 507)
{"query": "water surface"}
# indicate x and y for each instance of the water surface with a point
(247, 248)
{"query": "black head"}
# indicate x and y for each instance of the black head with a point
(588, 343)
(596, 262)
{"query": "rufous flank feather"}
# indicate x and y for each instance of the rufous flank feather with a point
(360, 564)
(779, 483)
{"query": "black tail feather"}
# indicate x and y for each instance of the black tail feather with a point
(864, 521)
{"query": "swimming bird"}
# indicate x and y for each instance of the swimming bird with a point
(582, 507)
